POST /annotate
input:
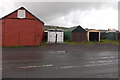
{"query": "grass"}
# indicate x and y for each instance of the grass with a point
(79, 43)
(105, 41)
(43, 43)
(114, 42)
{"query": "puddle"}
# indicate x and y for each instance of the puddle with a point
(92, 64)
(104, 57)
(107, 57)
(104, 62)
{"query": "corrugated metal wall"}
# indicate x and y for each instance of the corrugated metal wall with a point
(118, 36)
(0, 32)
(111, 35)
(75, 34)
(79, 36)
(22, 32)
(102, 35)
(68, 36)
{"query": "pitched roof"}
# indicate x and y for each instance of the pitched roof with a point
(27, 11)
(76, 28)
(70, 29)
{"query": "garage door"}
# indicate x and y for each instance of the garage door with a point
(59, 37)
(94, 36)
(55, 37)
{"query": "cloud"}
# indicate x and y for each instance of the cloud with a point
(50, 10)
(98, 19)
(6, 7)
(87, 14)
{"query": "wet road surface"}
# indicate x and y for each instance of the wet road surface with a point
(61, 61)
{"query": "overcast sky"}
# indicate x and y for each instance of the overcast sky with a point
(93, 14)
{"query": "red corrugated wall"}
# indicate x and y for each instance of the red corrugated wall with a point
(0, 32)
(22, 32)
(39, 29)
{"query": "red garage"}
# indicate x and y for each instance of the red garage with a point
(21, 28)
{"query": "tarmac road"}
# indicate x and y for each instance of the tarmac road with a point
(61, 61)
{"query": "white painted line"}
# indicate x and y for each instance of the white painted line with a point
(25, 67)
(65, 67)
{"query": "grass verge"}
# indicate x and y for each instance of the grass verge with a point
(114, 42)
(43, 43)
(79, 43)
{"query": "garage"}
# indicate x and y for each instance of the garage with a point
(111, 35)
(93, 35)
(21, 28)
(55, 36)
(75, 34)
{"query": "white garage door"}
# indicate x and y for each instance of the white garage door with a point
(59, 37)
(55, 37)
(51, 37)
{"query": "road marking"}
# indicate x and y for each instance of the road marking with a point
(57, 52)
(65, 67)
(25, 67)
(92, 64)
